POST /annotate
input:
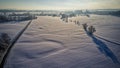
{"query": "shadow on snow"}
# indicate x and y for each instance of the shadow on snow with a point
(103, 48)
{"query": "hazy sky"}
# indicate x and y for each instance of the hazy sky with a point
(59, 4)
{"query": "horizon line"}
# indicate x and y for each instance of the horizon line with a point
(61, 9)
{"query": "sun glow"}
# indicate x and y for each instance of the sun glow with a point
(59, 4)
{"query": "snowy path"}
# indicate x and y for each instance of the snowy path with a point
(51, 43)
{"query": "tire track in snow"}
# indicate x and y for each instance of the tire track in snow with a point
(55, 52)
(64, 48)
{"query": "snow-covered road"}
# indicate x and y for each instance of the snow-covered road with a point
(51, 43)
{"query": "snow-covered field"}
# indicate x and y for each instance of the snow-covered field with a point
(12, 28)
(52, 43)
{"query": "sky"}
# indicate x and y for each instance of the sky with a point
(59, 4)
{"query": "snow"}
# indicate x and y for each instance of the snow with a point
(12, 28)
(52, 43)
